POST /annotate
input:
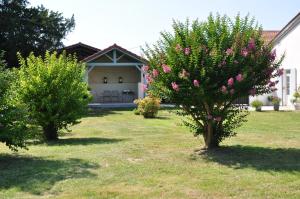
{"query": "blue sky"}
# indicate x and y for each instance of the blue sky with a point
(132, 23)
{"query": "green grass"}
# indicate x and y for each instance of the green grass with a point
(117, 154)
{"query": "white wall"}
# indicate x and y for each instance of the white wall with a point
(290, 45)
(131, 77)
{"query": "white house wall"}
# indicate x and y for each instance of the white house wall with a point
(290, 45)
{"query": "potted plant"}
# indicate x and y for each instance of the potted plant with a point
(275, 101)
(296, 100)
(257, 104)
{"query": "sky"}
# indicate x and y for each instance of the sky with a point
(132, 23)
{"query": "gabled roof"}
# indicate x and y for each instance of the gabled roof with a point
(80, 49)
(287, 28)
(113, 47)
(269, 35)
(79, 44)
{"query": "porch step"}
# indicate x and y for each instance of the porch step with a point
(112, 105)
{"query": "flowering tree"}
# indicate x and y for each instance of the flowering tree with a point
(204, 67)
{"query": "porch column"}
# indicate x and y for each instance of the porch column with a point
(140, 84)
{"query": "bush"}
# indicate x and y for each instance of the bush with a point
(296, 96)
(204, 67)
(148, 107)
(54, 91)
(257, 104)
(13, 115)
(274, 100)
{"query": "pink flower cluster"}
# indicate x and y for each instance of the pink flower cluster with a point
(251, 44)
(224, 89)
(166, 68)
(229, 51)
(145, 68)
(187, 51)
(175, 86)
(149, 78)
(272, 84)
(230, 83)
(244, 52)
(280, 71)
(196, 83)
(145, 87)
(272, 55)
(239, 77)
(155, 73)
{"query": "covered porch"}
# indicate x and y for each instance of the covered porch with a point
(115, 75)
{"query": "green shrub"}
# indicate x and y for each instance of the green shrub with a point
(148, 107)
(296, 96)
(13, 115)
(54, 91)
(257, 104)
(275, 100)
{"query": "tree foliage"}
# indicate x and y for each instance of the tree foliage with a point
(13, 117)
(27, 29)
(203, 67)
(54, 90)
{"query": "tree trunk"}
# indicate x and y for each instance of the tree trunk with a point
(209, 134)
(50, 132)
(209, 137)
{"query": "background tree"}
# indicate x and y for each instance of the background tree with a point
(13, 117)
(30, 29)
(54, 90)
(204, 67)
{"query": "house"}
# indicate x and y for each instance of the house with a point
(114, 74)
(286, 42)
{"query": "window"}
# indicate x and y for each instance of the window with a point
(288, 84)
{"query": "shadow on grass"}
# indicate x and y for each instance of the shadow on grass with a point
(79, 141)
(259, 158)
(38, 175)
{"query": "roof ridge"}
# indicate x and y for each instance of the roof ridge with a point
(114, 46)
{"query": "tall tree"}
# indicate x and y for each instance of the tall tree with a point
(27, 29)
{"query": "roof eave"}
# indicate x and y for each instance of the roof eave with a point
(286, 29)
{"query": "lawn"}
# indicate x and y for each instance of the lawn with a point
(116, 154)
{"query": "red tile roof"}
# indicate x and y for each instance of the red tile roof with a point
(269, 35)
